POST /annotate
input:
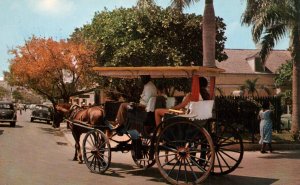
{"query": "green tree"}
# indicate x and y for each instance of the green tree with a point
(17, 96)
(271, 20)
(284, 77)
(3, 92)
(154, 37)
(144, 4)
(284, 81)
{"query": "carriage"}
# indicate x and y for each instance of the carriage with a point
(186, 148)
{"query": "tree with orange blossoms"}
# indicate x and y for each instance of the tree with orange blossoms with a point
(53, 69)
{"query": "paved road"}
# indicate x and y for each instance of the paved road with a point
(37, 154)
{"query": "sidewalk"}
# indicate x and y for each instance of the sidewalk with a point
(247, 146)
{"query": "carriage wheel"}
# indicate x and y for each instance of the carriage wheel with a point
(146, 161)
(96, 151)
(184, 152)
(229, 148)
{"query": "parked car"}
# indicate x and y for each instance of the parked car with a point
(8, 113)
(31, 106)
(42, 113)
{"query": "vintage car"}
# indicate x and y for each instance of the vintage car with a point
(8, 113)
(42, 113)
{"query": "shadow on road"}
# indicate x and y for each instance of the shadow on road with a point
(235, 180)
(7, 125)
(52, 131)
(41, 122)
(121, 170)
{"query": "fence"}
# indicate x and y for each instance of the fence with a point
(242, 112)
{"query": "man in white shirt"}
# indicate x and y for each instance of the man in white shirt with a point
(148, 92)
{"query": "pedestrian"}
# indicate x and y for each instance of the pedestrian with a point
(265, 115)
(20, 108)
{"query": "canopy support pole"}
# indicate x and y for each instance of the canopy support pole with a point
(212, 87)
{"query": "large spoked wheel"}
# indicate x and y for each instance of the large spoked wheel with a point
(228, 147)
(147, 160)
(96, 151)
(184, 152)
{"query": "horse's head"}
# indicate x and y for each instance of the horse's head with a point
(63, 108)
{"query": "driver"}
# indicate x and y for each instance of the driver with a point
(148, 92)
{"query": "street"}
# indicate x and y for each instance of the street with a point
(37, 154)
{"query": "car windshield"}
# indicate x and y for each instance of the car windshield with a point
(6, 106)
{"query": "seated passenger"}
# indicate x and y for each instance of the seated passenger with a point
(204, 95)
(161, 97)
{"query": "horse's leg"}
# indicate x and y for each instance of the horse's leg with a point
(79, 150)
(76, 145)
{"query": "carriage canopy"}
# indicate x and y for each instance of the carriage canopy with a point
(159, 71)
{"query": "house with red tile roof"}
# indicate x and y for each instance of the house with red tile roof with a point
(244, 64)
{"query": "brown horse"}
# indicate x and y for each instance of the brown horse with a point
(93, 116)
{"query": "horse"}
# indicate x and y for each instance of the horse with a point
(93, 116)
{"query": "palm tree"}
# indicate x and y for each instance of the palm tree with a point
(220, 91)
(208, 29)
(252, 87)
(271, 20)
(209, 34)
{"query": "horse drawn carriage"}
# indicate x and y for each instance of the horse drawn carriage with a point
(186, 147)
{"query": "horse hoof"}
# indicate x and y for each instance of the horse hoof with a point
(80, 162)
(75, 159)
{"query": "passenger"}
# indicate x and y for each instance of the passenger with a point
(161, 97)
(204, 95)
(148, 92)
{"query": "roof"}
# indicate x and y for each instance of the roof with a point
(237, 60)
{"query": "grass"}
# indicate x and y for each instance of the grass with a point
(283, 137)
(277, 137)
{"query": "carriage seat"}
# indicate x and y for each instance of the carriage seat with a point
(200, 110)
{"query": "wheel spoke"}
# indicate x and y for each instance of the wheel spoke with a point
(96, 151)
(229, 149)
(173, 167)
(228, 155)
(219, 162)
(185, 144)
(178, 172)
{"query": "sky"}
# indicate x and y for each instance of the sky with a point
(20, 19)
